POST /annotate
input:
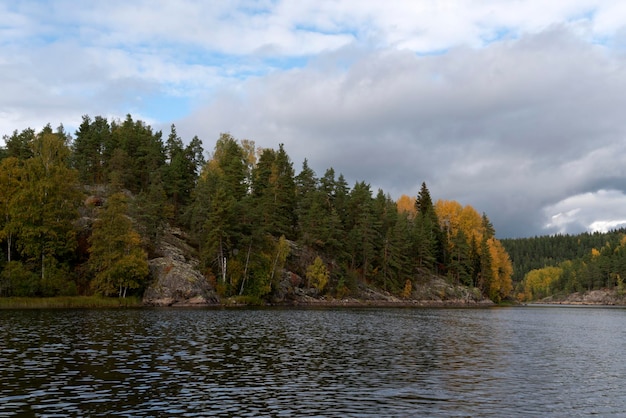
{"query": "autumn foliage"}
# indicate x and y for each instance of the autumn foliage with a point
(476, 256)
(246, 211)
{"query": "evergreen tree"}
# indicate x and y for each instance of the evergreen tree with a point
(393, 246)
(180, 172)
(488, 228)
(274, 193)
(218, 211)
(308, 210)
(135, 153)
(152, 210)
(475, 262)
(88, 149)
(428, 235)
(460, 261)
(485, 277)
(18, 145)
(362, 230)
(284, 191)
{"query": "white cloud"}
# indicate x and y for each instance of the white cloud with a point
(594, 211)
(511, 107)
(508, 128)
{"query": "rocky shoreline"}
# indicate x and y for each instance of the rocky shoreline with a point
(323, 303)
(175, 286)
(602, 297)
(176, 281)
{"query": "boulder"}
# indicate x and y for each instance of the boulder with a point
(175, 277)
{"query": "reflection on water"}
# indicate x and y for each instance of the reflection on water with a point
(357, 362)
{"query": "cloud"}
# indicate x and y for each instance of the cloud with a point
(510, 128)
(510, 107)
(594, 211)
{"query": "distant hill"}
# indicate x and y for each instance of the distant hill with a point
(587, 261)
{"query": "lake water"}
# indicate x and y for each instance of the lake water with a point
(525, 361)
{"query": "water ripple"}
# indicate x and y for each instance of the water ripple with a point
(391, 362)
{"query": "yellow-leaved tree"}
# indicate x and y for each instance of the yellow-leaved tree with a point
(537, 283)
(317, 274)
(475, 257)
(116, 257)
(406, 204)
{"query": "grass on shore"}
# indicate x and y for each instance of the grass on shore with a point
(68, 302)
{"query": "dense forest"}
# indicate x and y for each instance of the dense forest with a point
(82, 213)
(562, 264)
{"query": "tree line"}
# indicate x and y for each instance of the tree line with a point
(562, 264)
(83, 214)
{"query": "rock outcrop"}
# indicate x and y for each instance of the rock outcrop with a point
(593, 297)
(175, 277)
(177, 281)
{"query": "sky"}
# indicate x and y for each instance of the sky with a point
(516, 107)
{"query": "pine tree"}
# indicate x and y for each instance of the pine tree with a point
(460, 262)
(88, 149)
(135, 153)
(429, 238)
(362, 230)
(308, 209)
(218, 211)
(485, 277)
(18, 145)
(180, 172)
(393, 246)
(274, 193)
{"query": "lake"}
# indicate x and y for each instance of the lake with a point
(521, 361)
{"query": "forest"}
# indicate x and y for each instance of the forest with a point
(81, 214)
(559, 265)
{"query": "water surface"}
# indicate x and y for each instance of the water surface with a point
(547, 361)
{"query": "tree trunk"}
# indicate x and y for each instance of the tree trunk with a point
(245, 270)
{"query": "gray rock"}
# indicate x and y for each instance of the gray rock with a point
(176, 279)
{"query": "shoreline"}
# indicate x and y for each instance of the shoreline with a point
(94, 302)
(576, 303)
(332, 303)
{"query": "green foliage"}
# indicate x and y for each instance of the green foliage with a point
(274, 193)
(587, 261)
(17, 280)
(18, 145)
(57, 281)
(39, 199)
(117, 260)
(180, 172)
(538, 283)
(485, 276)
(245, 209)
(89, 147)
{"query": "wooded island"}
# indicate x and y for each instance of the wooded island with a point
(83, 215)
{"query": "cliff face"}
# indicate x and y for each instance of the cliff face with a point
(175, 276)
(177, 281)
(592, 297)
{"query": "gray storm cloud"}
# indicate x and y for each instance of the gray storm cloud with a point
(513, 128)
(515, 109)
